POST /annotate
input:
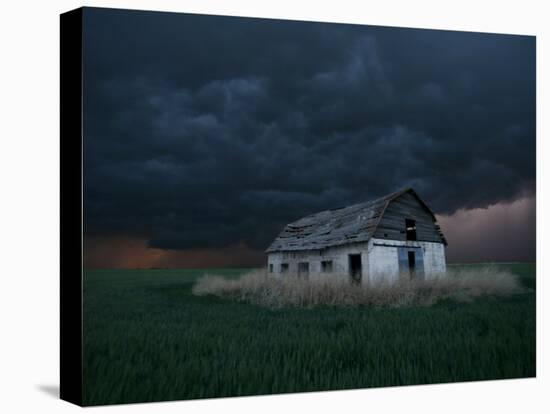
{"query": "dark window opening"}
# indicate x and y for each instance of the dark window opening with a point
(410, 227)
(326, 266)
(355, 267)
(271, 268)
(284, 267)
(303, 269)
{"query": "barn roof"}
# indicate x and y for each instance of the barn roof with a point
(339, 226)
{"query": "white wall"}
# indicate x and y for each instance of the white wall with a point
(379, 259)
(383, 262)
(434, 259)
(384, 259)
(338, 255)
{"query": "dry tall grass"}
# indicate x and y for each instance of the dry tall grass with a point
(257, 287)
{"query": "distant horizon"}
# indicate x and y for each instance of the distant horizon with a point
(259, 267)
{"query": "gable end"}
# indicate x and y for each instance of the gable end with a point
(408, 205)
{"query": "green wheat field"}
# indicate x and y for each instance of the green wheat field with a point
(148, 338)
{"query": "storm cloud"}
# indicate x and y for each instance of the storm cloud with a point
(204, 132)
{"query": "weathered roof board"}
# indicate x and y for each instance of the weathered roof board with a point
(382, 218)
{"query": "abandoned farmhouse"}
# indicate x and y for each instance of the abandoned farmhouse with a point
(395, 236)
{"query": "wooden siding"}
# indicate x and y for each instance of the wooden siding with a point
(407, 206)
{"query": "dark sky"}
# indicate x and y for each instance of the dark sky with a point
(204, 135)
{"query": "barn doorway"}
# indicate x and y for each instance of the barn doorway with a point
(412, 263)
(355, 267)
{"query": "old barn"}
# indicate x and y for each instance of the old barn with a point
(395, 236)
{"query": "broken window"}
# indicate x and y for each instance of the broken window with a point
(410, 228)
(284, 267)
(326, 266)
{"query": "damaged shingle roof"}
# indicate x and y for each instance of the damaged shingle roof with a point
(356, 223)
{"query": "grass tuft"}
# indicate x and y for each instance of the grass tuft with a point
(259, 288)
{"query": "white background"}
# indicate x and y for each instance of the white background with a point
(29, 206)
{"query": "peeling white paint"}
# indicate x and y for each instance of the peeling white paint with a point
(379, 260)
